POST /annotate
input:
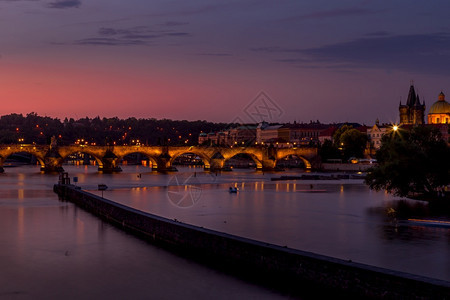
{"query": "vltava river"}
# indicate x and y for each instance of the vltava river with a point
(54, 249)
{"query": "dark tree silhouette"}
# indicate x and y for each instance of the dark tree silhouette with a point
(413, 163)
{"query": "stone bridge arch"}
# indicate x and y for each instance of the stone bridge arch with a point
(304, 160)
(151, 157)
(153, 153)
(65, 152)
(204, 153)
(306, 154)
(37, 151)
(253, 153)
(162, 157)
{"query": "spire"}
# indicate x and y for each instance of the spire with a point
(441, 96)
(411, 96)
(417, 103)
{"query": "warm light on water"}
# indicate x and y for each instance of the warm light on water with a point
(54, 250)
(44, 241)
(340, 218)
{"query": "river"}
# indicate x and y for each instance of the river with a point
(52, 249)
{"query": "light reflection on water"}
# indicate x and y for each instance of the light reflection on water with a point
(54, 250)
(339, 218)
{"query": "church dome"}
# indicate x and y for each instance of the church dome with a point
(441, 106)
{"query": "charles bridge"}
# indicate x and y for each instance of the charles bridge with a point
(108, 158)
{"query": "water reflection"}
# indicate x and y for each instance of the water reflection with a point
(340, 218)
(412, 233)
(43, 240)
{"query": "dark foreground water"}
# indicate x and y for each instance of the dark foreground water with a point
(52, 249)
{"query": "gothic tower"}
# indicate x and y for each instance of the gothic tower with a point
(413, 112)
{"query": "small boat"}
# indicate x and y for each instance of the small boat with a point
(233, 189)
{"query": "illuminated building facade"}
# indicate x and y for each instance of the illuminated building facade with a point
(440, 111)
(375, 133)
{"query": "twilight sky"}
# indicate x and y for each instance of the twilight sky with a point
(230, 60)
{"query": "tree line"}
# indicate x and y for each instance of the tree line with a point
(35, 129)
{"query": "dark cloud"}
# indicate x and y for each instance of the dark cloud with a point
(211, 7)
(126, 31)
(334, 13)
(420, 53)
(341, 12)
(140, 31)
(108, 31)
(276, 49)
(139, 35)
(408, 52)
(109, 42)
(65, 4)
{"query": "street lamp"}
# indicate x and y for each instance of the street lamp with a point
(396, 131)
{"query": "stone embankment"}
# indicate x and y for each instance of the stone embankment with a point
(294, 272)
(343, 167)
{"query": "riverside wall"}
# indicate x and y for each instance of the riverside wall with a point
(294, 272)
(342, 167)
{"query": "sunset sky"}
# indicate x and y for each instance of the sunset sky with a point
(332, 61)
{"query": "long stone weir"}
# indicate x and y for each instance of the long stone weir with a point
(293, 272)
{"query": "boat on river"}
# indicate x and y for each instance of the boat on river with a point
(233, 189)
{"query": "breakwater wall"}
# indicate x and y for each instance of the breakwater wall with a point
(293, 271)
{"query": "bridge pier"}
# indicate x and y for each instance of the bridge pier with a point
(52, 162)
(110, 163)
(268, 165)
(217, 162)
(164, 164)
